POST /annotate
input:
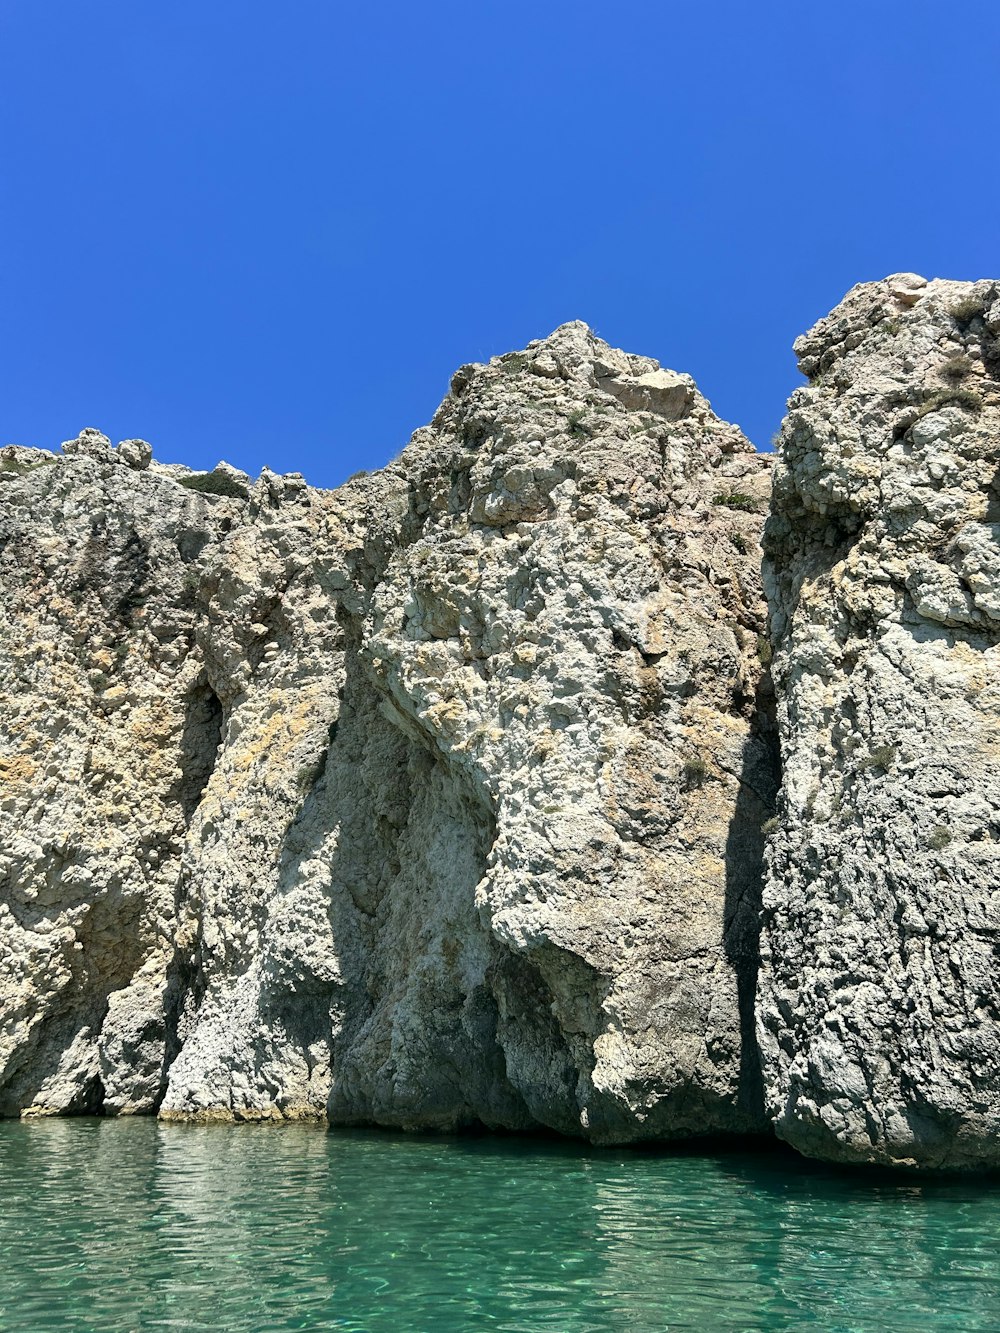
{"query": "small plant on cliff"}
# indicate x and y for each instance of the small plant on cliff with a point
(190, 585)
(736, 500)
(513, 363)
(771, 825)
(22, 469)
(739, 542)
(695, 771)
(215, 483)
(955, 368)
(883, 756)
(575, 420)
(307, 775)
(966, 398)
(966, 308)
(939, 837)
(764, 650)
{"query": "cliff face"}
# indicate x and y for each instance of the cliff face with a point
(430, 801)
(879, 1005)
(143, 632)
(441, 799)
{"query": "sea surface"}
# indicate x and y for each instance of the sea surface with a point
(131, 1224)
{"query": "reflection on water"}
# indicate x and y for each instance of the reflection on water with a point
(121, 1225)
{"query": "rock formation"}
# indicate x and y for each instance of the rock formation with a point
(441, 799)
(879, 1005)
(431, 801)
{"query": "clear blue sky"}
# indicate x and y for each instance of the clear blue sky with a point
(269, 232)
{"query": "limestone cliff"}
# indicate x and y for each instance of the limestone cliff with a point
(448, 798)
(879, 1006)
(434, 800)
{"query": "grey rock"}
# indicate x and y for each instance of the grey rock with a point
(441, 799)
(90, 443)
(879, 1004)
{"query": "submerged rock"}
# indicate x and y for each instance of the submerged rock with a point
(879, 1008)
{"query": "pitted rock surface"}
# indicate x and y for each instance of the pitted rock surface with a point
(879, 1007)
(441, 799)
(434, 800)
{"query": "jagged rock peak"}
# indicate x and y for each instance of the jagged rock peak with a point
(575, 355)
(901, 304)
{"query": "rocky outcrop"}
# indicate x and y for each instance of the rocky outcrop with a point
(450, 797)
(879, 1007)
(139, 602)
(431, 801)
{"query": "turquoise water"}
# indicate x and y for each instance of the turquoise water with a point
(122, 1225)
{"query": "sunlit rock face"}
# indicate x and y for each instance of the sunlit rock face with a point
(432, 801)
(154, 714)
(451, 797)
(879, 1004)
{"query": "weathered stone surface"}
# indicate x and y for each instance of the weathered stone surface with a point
(96, 681)
(136, 453)
(438, 799)
(90, 443)
(429, 801)
(879, 1009)
(567, 639)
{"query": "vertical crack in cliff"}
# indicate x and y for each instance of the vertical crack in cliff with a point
(184, 981)
(759, 781)
(200, 741)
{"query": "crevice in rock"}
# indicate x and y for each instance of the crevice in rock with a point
(133, 568)
(182, 996)
(531, 1038)
(993, 497)
(89, 1100)
(759, 781)
(200, 741)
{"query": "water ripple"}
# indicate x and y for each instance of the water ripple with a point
(129, 1225)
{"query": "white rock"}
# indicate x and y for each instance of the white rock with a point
(137, 454)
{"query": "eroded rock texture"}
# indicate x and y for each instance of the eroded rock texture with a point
(431, 801)
(879, 1009)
